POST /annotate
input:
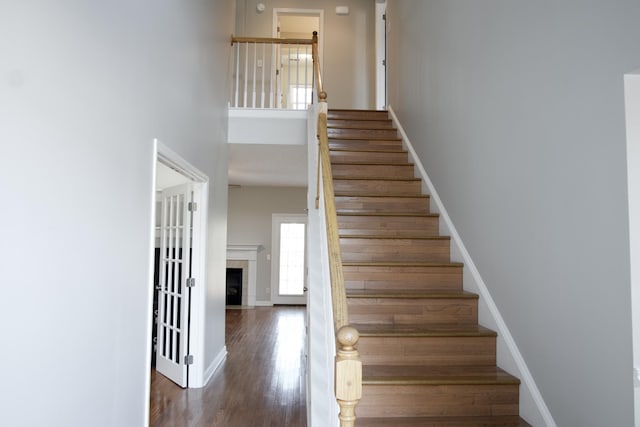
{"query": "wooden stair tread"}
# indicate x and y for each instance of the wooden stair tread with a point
(393, 196)
(365, 150)
(409, 293)
(435, 375)
(408, 330)
(388, 214)
(486, 421)
(381, 178)
(347, 163)
(403, 264)
(405, 237)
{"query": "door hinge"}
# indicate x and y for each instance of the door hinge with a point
(192, 206)
(188, 359)
(384, 17)
(384, 62)
(191, 282)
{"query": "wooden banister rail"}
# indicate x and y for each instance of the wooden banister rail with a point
(271, 73)
(265, 40)
(348, 367)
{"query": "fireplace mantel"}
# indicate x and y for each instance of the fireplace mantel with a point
(247, 253)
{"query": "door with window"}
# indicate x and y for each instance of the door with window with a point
(288, 259)
(174, 289)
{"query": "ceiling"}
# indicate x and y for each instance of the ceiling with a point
(268, 165)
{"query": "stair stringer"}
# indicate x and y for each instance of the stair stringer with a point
(322, 408)
(532, 406)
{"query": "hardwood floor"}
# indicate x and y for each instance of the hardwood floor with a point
(262, 383)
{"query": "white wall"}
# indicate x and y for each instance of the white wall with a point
(349, 45)
(84, 89)
(517, 111)
(250, 210)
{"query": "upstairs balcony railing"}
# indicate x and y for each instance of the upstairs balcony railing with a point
(272, 73)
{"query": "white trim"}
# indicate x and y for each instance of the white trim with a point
(170, 158)
(263, 304)
(532, 405)
(150, 285)
(214, 365)
(632, 113)
(266, 113)
(247, 253)
(381, 54)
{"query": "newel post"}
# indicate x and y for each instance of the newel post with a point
(348, 379)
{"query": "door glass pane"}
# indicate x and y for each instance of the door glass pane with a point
(291, 259)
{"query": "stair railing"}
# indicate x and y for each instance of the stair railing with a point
(348, 367)
(271, 73)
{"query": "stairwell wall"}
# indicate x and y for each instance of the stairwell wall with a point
(85, 87)
(517, 112)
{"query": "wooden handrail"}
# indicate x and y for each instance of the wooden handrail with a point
(338, 292)
(348, 367)
(269, 40)
(322, 95)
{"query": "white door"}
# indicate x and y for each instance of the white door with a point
(174, 290)
(288, 264)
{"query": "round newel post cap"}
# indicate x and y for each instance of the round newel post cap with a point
(322, 96)
(348, 337)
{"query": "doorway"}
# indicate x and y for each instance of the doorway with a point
(381, 54)
(288, 265)
(180, 207)
(294, 68)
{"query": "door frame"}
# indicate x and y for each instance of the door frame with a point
(277, 11)
(200, 181)
(276, 220)
(381, 53)
(632, 122)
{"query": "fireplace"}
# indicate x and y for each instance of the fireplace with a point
(244, 257)
(234, 286)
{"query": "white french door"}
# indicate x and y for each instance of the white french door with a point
(176, 226)
(288, 265)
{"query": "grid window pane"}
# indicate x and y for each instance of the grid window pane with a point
(291, 259)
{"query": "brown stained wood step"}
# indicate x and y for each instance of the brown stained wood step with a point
(366, 144)
(357, 114)
(368, 170)
(397, 186)
(369, 157)
(376, 203)
(403, 276)
(360, 124)
(347, 133)
(436, 375)
(480, 421)
(400, 249)
(388, 224)
(415, 344)
(423, 331)
(439, 400)
(412, 307)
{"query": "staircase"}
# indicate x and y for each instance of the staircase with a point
(426, 361)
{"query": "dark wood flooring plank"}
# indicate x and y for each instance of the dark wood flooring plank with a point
(262, 383)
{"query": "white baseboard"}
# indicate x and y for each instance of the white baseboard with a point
(211, 369)
(532, 406)
(264, 304)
